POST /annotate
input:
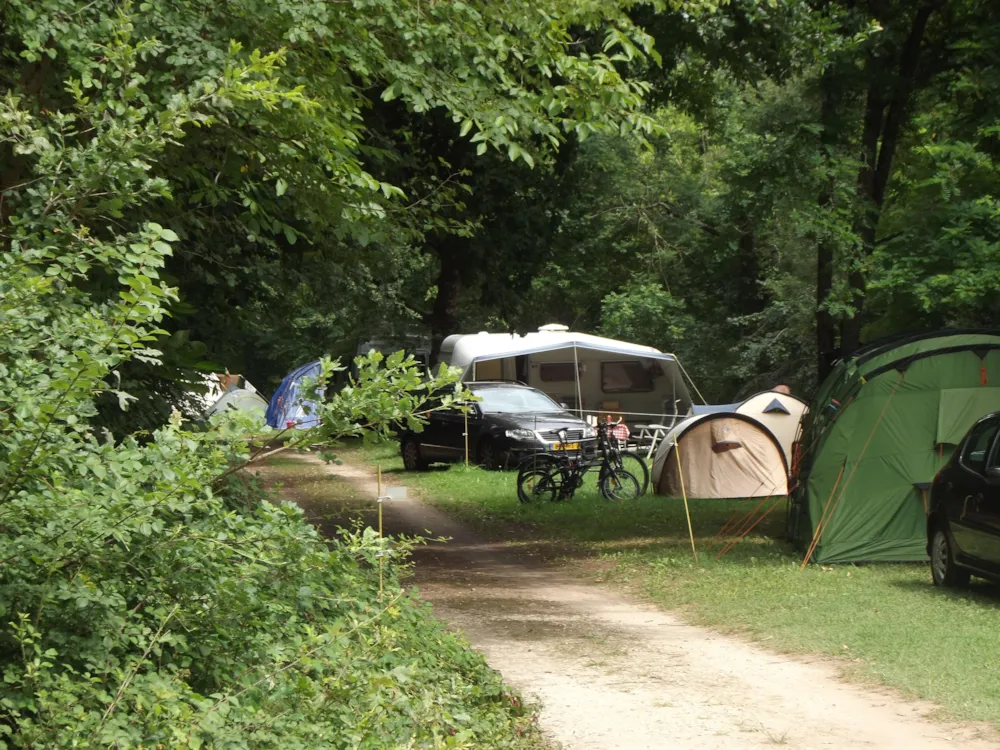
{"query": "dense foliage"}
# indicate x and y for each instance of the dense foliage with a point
(820, 174)
(757, 186)
(826, 174)
(152, 596)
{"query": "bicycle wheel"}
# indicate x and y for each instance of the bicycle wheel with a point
(637, 467)
(537, 486)
(617, 485)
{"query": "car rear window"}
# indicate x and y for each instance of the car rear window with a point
(515, 401)
(977, 447)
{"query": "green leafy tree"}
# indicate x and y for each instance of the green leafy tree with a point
(153, 596)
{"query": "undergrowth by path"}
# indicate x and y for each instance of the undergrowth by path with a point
(422, 670)
(883, 623)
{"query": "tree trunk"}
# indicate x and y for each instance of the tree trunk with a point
(868, 211)
(750, 293)
(443, 319)
(885, 125)
(826, 328)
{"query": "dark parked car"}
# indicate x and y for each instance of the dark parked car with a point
(509, 422)
(963, 527)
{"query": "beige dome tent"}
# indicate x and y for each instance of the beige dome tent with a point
(781, 413)
(720, 455)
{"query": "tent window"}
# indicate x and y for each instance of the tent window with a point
(724, 437)
(776, 407)
(625, 377)
(978, 446)
(556, 372)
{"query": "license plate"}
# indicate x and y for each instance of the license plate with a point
(566, 447)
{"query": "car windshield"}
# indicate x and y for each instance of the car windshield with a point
(515, 401)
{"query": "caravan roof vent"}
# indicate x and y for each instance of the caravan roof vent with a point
(553, 327)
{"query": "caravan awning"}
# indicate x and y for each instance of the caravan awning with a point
(524, 351)
(484, 347)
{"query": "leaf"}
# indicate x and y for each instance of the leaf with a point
(280, 187)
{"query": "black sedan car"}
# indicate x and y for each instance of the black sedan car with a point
(508, 422)
(963, 526)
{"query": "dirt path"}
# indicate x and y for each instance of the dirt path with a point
(613, 673)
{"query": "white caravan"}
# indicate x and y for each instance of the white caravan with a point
(590, 375)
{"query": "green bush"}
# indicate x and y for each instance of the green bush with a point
(143, 611)
(150, 597)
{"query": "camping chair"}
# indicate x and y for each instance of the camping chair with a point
(651, 434)
(649, 437)
(671, 419)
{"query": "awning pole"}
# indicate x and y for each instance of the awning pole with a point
(673, 401)
(690, 381)
(576, 371)
(687, 510)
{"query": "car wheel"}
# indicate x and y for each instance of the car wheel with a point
(944, 571)
(413, 459)
(489, 456)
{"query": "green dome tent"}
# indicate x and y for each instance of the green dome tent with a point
(881, 426)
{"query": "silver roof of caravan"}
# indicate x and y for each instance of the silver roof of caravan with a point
(463, 350)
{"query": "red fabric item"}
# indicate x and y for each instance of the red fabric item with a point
(620, 431)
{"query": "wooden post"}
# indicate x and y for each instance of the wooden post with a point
(687, 510)
(466, 437)
(379, 486)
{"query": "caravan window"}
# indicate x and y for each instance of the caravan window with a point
(625, 377)
(490, 369)
(556, 372)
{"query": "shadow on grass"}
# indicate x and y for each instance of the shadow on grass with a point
(982, 592)
(588, 524)
(400, 471)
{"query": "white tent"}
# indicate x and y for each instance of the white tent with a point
(589, 374)
(213, 392)
(720, 455)
(243, 399)
(781, 413)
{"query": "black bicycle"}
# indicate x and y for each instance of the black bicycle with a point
(555, 477)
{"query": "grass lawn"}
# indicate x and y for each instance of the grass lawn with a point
(883, 623)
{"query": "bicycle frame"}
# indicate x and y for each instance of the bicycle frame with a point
(572, 468)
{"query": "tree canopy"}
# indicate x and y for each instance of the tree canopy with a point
(192, 185)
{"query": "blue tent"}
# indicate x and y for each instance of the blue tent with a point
(289, 406)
